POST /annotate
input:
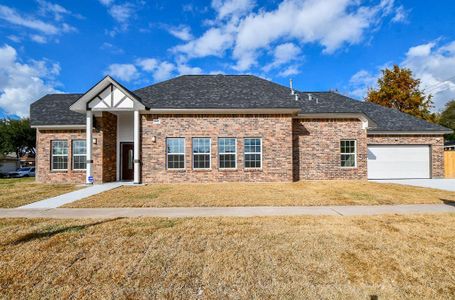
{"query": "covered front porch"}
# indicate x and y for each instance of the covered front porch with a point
(113, 125)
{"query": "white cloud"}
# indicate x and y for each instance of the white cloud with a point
(432, 63)
(160, 70)
(401, 15)
(121, 12)
(181, 32)
(283, 54)
(289, 71)
(360, 82)
(163, 71)
(213, 42)
(248, 34)
(111, 48)
(56, 10)
(12, 16)
(46, 29)
(106, 2)
(226, 8)
(38, 38)
(435, 66)
(23, 83)
(147, 64)
(187, 70)
(125, 72)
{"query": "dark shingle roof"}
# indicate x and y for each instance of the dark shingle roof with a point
(233, 92)
(386, 119)
(216, 91)
(54, 109)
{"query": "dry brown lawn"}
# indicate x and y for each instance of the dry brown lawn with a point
(15, 192)
(263, 194)
(407, 257)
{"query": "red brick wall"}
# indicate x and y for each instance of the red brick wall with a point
(436, 142)
(275, 131)
(316, 148)
(104, 150)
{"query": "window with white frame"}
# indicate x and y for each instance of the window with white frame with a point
(348, 152)
(201, 153)
(227, 153)
(175, 148)
(253, 153)
(79, 155)
(59, 161)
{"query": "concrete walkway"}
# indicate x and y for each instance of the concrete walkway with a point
(73, 196)
(441, 184)
(174, 212)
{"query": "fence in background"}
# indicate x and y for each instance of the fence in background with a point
(449, 164)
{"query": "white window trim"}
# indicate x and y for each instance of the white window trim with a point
(245, 153)
(184, 154)
(227, 153)
(355, 153)
(193, 154)
(59, 155)
(73, 155)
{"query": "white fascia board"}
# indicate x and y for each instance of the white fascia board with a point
(58, 127)
(223, 111)
(366, 121)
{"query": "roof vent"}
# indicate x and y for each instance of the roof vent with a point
(290, 85)
(311, 97)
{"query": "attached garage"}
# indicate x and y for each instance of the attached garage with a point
(399, 161)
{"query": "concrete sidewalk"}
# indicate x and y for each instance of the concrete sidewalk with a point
(179, 212)
(73, 196)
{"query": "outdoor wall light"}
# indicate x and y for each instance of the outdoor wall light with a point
(94, 141)
(154, 139)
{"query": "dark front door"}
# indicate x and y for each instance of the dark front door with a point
(127, 161)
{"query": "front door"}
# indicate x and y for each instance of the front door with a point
(127, 161)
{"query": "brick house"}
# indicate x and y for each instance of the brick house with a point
(205, 128)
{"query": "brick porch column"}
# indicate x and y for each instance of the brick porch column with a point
(88, 131)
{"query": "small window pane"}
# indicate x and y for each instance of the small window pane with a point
(348, 153)
(253, 153)
(79, 155)
(175, 153)
(227, 153)
(59, 155)
(201, 153)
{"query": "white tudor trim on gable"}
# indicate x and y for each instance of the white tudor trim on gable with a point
(107, 95)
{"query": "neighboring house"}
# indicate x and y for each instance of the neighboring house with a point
(449, 146)
(204, 128)
(8, 163)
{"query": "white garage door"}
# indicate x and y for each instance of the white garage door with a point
(398, 161)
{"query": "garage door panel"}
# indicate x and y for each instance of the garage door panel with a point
(398, 161)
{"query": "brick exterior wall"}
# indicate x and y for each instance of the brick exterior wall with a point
(316, 148)
(435, 141)
(275, 131)
(104, 152)
(293, 149)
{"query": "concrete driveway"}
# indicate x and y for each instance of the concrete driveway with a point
(442, 184)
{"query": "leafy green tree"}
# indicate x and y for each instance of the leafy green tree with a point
(398, 89)
(447, 118)
(17, 136)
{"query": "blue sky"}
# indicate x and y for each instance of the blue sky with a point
(67, 46)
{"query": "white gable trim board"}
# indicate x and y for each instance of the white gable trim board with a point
(399, 161)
